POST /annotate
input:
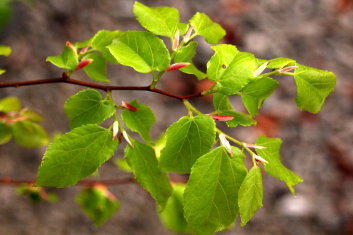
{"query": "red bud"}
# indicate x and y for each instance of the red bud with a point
(176, 40)
(177, 66)
(220, 118)
(287, 69)
(69, 44)
(83, 64)
(128, 106)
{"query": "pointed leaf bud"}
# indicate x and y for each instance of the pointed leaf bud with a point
(188, 34)
(260, 69)
(126, 137)
(176, 40)
(220, 117)
(177, 66)
(128, 106)
(225, 143)
(83, 50)
(258, 158)
(83, 64)
(287, 69)
(115, 129)
(69, 44)
(253, 146)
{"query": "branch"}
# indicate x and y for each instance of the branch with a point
(95, 86)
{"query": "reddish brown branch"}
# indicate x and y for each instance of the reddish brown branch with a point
(96, 86)
(12, 182)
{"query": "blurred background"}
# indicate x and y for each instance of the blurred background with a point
(318, 148)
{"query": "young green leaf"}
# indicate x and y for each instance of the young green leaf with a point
(143, 162)
(75, 155)
(68, 59)
(255, 92)
(205, 27)
(97, 203)
(221, 102)
(187, 140)
(140, 121)
(250, 195)
(313, 86)
(173, 214)
(5, 133)
(9, 104)
(211, 195)
(5, 50)
(274, 167)
(185, 54)
(159, 20)
(87, 107)
(97, 70)
(219, 62)
(2, 71)
(102, 39)
(140, 50)
(280, 62)
(29, 134)
(238, 118)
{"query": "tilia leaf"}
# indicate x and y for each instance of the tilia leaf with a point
(75, 155)
(187, 140)
(250, 195)
(313, 86)
(274, 167)
(143, 162)
(211, 195)
(88, 107)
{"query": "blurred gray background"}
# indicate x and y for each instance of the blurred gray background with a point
(317, 33)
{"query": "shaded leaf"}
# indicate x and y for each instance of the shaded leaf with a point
(9, 104)
(97, 70)
(29, 134)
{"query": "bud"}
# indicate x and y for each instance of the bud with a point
(258, 158)
(188, 34)
(177, 66)
(69, 44)
(253, 146)
(126, 137)
(220, 117)
(83, 50)
(128, 106)
(287, 69)
(260, 69)
(83, 64)
(225, 143)
(115, 129)
(176, 40)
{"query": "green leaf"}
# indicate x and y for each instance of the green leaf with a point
(5, 50)
(5, 12)
(9, 104)
(68, 59)
(187, 140)
(88, 107)
(221, 102)
(2, 71)
(183, 28)
(122, 165)
(219, 62)
(238, 118)
(97, 70)
(173, 214)
(255, 92)
(250, 195)
(280, 62)
(5, 133)
(29, 134)
(140, 121)
(205, 27)
(98, 204)
(211, 195)
(238, 74)
(31, 115)
(144, 164)
(185, 54)
(313, 86)
(102, 39)
(75, 155)
(159, 20)
(142, 51)
(274, 167)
